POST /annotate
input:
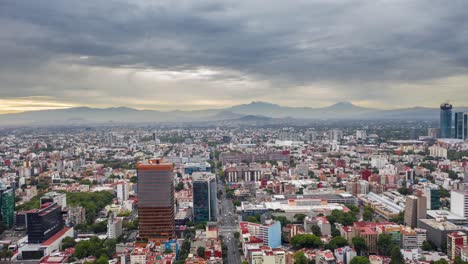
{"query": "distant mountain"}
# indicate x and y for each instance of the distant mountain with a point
(252, 112)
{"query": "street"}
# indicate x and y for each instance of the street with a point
(227, 226)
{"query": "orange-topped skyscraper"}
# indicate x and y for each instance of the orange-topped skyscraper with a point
(155, 200)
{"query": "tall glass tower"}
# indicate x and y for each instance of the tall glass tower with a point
(445, 120)
(204, 197)
(461, 125)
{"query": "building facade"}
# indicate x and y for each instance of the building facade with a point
(156, 200)
(44, 223)
(461, 125)
(445, 120)
(204, 197)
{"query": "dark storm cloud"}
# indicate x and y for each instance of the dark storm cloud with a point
(360, 47)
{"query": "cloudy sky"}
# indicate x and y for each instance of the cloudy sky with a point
(211, 54)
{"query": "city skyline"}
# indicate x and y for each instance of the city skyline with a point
(211, 55)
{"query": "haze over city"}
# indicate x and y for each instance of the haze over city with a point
(187, 55)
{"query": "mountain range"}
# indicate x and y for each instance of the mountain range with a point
(254, 111)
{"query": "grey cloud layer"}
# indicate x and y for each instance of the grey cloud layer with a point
(354, 48)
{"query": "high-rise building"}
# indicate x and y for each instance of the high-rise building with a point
(7, 207)
(122, 190)
(114, 227)
(156, 200)
(204, 197)
(43, 223)
(459, 202)
(461, 125)
(415, 209)
(445, 120)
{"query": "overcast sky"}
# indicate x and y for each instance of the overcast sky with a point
(211, 54)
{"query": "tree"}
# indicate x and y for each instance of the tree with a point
(360, 260)
(236, 235)
(427, 245)
(252, 219)
(385, 244)
(283, 220)
(201, 252)
(306, 241)
(458, 260)
(359, 244)
(316, 230)
(300, 258)
(300, 217)
(68, 242)
(396, 256)
(368, 214)
(179, 187)
(441, 261)
(337, 242)
(102, 260)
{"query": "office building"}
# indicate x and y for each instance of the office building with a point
(156, 200)
(7, 207)
(461, 125)
(459, 203)
(432, 193)
(43, 223)
(271, 233)
(415, 209)
(204, 197)
(455, 241)
(445, 120)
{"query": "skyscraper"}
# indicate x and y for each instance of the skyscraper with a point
(7, 207)
(155, 200)
(461, 125)
(445, 120)
(204, 196)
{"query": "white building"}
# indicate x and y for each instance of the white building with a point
(122, 190)
(114, 227)
(438, 151)
(361, 134)
(378, 162)
(459, 203)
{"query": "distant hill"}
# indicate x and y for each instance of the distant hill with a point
(252, 112)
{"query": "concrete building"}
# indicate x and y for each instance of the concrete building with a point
(122, 190)
(455, 241)
(114, 227)
(438, 151)
(415, 209)
(459, 203)
(438, 229)
(413, 238)
(76, 215)
(271, 233)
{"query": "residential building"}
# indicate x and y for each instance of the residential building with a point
(54, 197)
(271, 233)
(122, 190)
(156, 210)
(77, 215)
(455, 241)
(114, 227)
